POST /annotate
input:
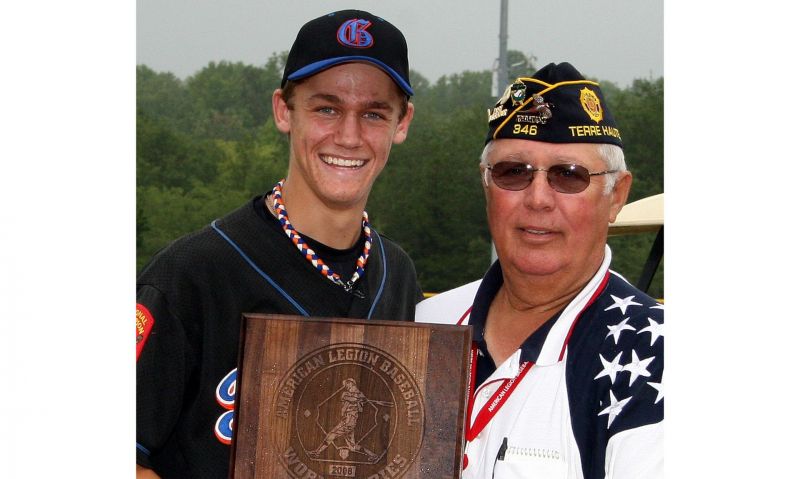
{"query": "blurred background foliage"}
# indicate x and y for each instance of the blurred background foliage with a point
(207, 144)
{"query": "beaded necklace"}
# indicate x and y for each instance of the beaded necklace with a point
(280, 210)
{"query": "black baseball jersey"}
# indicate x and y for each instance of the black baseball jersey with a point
(190, 299)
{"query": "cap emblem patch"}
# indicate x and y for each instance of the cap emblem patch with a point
(591, 105)
(353, 33)
(517, 90)
(539, 108)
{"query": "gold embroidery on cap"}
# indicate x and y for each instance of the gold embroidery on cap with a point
(591, 105)
(497, 112)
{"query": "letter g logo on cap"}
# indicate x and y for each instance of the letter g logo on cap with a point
(353, 33)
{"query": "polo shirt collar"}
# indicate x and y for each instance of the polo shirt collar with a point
(544, 345)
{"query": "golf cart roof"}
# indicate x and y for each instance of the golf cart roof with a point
(642, 216)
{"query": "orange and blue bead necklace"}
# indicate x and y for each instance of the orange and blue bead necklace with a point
(280, 210)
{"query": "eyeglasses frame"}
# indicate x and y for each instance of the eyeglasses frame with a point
(487, 168)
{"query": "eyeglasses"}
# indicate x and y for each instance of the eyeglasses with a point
(516, 176)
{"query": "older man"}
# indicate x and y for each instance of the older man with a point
(568, 355)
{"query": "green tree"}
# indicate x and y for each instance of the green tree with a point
(640, 116)
(639, 111)
(207, 144)
(167, 157)
(163, 96)
(520, 65)
(429, 199)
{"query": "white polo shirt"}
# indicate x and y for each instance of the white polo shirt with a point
(590, 406)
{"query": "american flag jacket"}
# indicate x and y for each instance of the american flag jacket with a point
(592, 404)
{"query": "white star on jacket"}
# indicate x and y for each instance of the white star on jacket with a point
(622, 304)
(610, 368)
(638, 367)
(655, 329)
(660, 388)
(619, 328)
(615, 408)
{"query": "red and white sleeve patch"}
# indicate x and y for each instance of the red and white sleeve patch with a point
(144, 323)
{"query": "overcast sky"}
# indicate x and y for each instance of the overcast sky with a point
(617, 40)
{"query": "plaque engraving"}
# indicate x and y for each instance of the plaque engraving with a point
(346, 431)
(341, 398)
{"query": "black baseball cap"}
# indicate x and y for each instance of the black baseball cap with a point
(348, 36)
(555, 105)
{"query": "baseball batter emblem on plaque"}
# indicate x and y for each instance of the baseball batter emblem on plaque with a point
(345, 398)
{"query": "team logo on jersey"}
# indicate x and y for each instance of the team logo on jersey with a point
(226, 396)
(350, 430)
(144, 324)
(353, 33)
(591, 105)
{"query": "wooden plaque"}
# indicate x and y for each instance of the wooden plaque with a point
(343, 398)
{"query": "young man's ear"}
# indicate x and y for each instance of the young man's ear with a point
(281, 112)
(401, 132)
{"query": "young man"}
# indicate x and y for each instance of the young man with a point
(305, 247)
(569, 356)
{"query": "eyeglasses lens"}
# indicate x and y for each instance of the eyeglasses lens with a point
(511, 175)
(568, 178)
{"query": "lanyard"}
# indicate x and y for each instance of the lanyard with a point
(508, 385)
(496, 402)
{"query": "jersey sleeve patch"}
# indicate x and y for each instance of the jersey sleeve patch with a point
(144, 324)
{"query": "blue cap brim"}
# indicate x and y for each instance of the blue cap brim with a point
(317, 67)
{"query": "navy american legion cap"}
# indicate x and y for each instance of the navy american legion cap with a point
(555, 105)
(348, 36)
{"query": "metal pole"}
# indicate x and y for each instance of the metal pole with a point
(502, 67)
(653, 260)
(501, 80)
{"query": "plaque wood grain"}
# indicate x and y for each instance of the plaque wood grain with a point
(346, 398)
